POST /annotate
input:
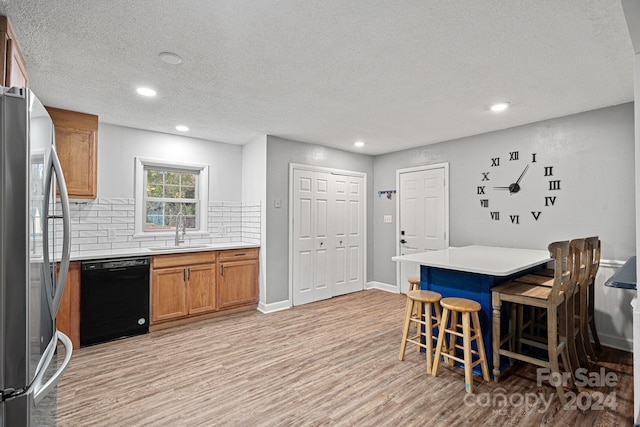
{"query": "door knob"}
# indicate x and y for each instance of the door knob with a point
(403, 241)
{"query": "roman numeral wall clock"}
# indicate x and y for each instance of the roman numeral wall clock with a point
(517, 188)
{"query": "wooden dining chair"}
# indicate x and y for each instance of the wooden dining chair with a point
(552, 300)
(577, 307)
(589, 321)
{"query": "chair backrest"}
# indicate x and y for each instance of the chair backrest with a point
(581, 259)
(593, 257)
(566, 269)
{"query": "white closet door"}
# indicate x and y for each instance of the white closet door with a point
(322, 251)
(328, 241)
(348, 233)
(311, 252)
(303, 237)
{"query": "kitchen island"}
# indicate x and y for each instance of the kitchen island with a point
(471, 271)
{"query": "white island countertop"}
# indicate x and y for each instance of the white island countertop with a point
(490, 260)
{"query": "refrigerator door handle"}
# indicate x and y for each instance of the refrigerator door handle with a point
(39, 392)
(54, 295)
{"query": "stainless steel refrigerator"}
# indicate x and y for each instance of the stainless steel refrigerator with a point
(34, 242)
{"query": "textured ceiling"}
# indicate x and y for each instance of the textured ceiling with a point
(395, 74)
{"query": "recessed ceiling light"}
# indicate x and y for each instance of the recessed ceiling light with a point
(145, 91)
(500, 106)
(182, 128)
(170, 58)
(359, 144)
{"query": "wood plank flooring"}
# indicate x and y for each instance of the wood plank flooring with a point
(328, 363)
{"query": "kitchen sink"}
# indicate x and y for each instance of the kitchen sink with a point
(177, 248)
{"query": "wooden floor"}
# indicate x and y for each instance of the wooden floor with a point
(329, 363)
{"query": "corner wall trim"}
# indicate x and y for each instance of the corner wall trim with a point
(274, 306)
(383, 287)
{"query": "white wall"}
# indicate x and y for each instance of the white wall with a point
(254, 188)
(593, 155)
(118, 146)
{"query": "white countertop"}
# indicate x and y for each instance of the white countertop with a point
(490, 260)
(133, 252)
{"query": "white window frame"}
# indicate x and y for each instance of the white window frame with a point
(203, 194)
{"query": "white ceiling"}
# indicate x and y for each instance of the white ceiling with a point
(395, 74)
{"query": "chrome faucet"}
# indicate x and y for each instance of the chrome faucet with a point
(180, 223)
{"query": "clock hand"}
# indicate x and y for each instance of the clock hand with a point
(501, 188)
(522, 174)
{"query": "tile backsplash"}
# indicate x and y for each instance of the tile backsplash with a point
(108, 224)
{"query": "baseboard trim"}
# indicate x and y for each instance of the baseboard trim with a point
(383, 287)
(274, 306)
(615, 342)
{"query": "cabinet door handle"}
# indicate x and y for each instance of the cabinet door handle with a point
(184, 274)
(222, 270)
(240, 254)
(189, 273)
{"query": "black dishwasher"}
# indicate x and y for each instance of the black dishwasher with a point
(114, 299)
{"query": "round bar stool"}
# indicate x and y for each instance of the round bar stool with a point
(424, 321)
(469, 331)
(414, 283)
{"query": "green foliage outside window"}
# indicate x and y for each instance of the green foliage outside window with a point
(169, 192)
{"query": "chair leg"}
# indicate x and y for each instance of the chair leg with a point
(466, 345)
(517, 316)
(441, 333)
(405, 328)
(480, 343)
(552, 342)
(496, 303)
(592, 317)
(420, 316)
(561, 332)
(428, 309)
(581, 346)
(567, 317)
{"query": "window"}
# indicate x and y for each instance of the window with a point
(163, 190)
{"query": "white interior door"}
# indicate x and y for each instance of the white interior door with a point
(348, 233)
(310, 231)
(327, 234)
(423, 213)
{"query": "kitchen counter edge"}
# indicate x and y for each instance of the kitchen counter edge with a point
(135, 252)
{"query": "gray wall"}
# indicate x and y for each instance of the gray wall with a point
(592, 153)
(281, 152)
(118, 146)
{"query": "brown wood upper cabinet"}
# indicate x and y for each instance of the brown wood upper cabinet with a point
(14, 70)
(77, 146)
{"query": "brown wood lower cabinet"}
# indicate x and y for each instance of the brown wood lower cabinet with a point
(238, 278)
(68, 317)
(182, 285)
(191, 286)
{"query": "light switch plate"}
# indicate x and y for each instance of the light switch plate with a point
(388, 218)
(277, 203)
